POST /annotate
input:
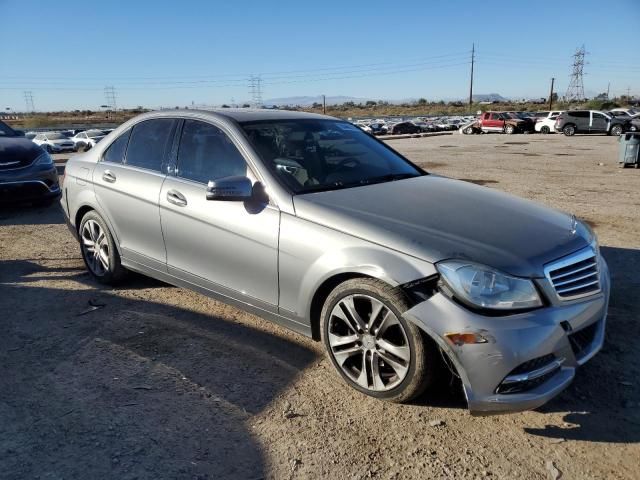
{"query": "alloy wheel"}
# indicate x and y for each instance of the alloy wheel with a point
(368, 342)
(95, 247)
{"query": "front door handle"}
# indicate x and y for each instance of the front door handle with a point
(175, 197)
(108, 176)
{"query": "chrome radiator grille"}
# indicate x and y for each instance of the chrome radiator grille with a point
(576, 275)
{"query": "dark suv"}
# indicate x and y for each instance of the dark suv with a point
(27, 172)
(590, 121)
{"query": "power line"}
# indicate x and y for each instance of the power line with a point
(575, 91)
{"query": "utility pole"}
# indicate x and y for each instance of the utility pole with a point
(324, 104)
(608, 86)
(551, 93)
(575, 91)
(628, 94)
(255, 90)
(110, 97)
(28, 100)
(473, 57)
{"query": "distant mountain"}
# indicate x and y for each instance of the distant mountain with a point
(308, 100)
(489, 97)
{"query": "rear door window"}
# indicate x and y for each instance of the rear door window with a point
(115, 153)
(149, 143)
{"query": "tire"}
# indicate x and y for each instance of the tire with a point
(616, 130)
(87, 147)
(509, 129)
(468, 131)
(569, 130)
(397, 376)
(545, 130)
(104, 265)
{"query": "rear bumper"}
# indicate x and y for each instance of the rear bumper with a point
(557, 333)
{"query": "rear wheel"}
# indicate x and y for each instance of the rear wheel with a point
(468, 131)
(544, 129)
(509, 129)
(371, 346)
(569, 130)
(99, 252)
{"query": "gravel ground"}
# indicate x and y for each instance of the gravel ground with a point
(149, 381)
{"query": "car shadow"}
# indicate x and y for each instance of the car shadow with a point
(106, 381)
(30, 214)
(603, 402)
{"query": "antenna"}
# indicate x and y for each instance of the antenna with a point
(575, 91)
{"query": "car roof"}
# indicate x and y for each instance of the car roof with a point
(240, 114)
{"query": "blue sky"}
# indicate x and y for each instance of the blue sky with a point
(167, 53)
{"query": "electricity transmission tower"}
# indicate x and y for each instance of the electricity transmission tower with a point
(28, 100)
(110, 97)
(575, 91)
(255, 90)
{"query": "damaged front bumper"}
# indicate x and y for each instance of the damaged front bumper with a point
(526, 358)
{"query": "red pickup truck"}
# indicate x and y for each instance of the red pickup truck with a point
(500, 122)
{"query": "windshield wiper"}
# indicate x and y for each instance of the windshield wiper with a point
(390, 177)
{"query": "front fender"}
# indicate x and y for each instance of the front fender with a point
(311, 254)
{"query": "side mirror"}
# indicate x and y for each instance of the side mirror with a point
(230, 189)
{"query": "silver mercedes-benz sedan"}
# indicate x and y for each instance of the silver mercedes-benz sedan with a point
(308, 221)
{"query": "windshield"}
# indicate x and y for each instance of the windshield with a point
(6, 130)
(56, 136)
(315, 155)
(95, 133)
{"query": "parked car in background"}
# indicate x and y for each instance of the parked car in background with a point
(365, 128)
(54, 142)
(590, 121)
(27, 172)
(379, 128)
(501, 122)
(630, 112)
(405, 127)
(513, 294)
(547, 124)
(529, 121)
(546, 113)
(424, 126)
(86, 140)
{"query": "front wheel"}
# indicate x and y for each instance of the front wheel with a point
(509, 129)
(468, 131)
(616, 130)
(545, 130)
(98, 249)
(569, 130)
(372, 347)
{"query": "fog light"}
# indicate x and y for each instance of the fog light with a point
(465, 338)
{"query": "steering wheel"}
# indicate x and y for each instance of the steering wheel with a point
(345, 161)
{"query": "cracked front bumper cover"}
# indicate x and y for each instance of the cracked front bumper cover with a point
(512, 341)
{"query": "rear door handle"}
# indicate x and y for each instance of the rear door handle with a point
(175, 197)
(108, 176)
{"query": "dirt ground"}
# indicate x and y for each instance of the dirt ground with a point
(149, 381)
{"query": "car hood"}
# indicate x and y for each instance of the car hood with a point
(18, 149)
(436, 218)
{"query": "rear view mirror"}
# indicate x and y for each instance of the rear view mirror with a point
(230, 189)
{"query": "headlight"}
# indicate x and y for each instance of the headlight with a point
(485, 287)
(44, 159)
